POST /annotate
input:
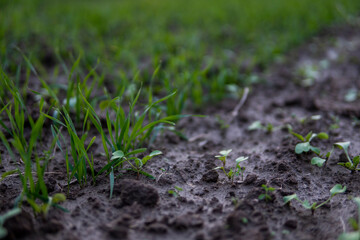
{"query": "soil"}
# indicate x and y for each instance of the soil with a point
(211, 207)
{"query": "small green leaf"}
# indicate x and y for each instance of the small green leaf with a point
(155, 153)
(318, 161)
(301, 138)
(337, 189)
(309, 136)
(302, 147)
(225, 152)
(290, 198)
(117, 155)
(356, 161)
(178, 188)
(307, 205)
(315, 150)
(343, 145)
(322, 135)
(255, 126)
(58, 197)
(241, 159)
(262, 196)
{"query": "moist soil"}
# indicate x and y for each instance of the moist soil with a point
(210, 206)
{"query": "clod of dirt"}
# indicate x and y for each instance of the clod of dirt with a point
(209, 162)
(19, 226)
(3, 187)
(166, 179)
(52, 226)
(282, 168)
(210, 176)
(248, 223)
(158, 228)
(251, 178)
(119, 227)
(186, 221)
(134, 191)
(291, 224)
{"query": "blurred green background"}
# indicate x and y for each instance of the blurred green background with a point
(202, 45)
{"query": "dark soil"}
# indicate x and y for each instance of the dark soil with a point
(210, 207)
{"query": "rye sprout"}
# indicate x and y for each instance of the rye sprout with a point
(337, 189)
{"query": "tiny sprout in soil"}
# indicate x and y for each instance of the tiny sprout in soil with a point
(305, 146)
(257, 125)
(266, 196)
(352, 164)
(238, 170)
(337, 189)
(175, 192)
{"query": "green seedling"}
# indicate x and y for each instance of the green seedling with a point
(136, 164)
(257, 125)
(337, 189)
(175, 192)
(355, 235)
(352, 164)
(238, 170)
(4, 217)
(305, 146)
(266, 195)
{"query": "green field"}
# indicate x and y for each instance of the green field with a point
(202, 46)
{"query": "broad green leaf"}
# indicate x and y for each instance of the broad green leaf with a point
(290, 198)
(337, 189)
(318, 161)
(315, 150)
(302, 147)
